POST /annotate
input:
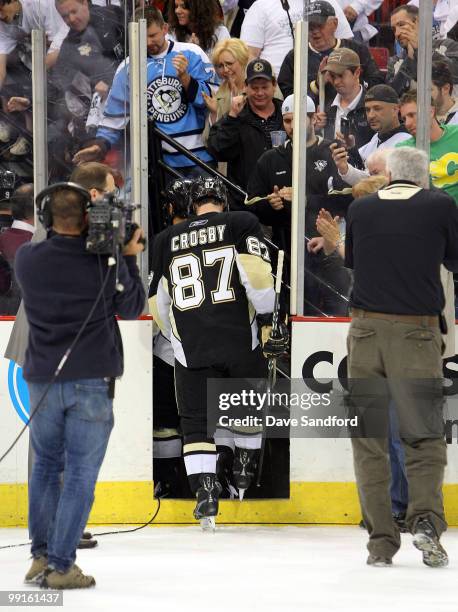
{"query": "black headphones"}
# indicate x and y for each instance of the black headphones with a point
(43, 201)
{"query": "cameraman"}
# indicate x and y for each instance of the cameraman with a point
(70, 431)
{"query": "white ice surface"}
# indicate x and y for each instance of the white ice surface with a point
(247, 569)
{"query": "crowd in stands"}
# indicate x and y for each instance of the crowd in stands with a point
(220, 78)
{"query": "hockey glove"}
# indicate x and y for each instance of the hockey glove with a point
(274, 346)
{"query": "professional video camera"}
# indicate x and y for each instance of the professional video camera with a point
(110, 225)
(110, 220)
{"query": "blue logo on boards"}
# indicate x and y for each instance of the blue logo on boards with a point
(19, 392)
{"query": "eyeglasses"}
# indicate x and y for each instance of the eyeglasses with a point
(224, 65)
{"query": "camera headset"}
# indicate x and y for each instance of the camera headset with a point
(43, 201)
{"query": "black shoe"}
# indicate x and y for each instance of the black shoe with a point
(400, 520)
(244, 468)
(87, 541)
(377, 561)
(426, 539)
(207, 496)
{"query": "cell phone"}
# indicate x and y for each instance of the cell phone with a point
(340, 143)
(345, 127)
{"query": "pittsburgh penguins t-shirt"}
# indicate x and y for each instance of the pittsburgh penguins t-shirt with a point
(443, 166)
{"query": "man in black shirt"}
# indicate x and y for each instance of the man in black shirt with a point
(71, 426)
(396, 241)
(272, 178)
(242, 136)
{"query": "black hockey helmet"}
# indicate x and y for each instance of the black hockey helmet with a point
(7, 183)
(177, 196)
(208, 188)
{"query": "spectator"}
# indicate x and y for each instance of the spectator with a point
(272, 180)
(82, 76)
(242, 136)
(382, 109)
(324, 38)
(343, 69)
(21, 17)
(357, 13)
(17, 20)
(236, 25)
(7, 182)
(22, 228)
(268, 29)
(93, 47)
(445, 16)
(198, 22)
(178, 74)
(441, 90)
(402, 68)
(230, 59)
(443, 153)
(20, 232)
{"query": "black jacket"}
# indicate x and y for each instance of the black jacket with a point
(240, 142)
(402, 70)
(275, 168)
(371, 74)
(60, 281)
(96, 52)
(359, 127)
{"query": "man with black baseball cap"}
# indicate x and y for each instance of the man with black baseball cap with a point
(241, 137)
(322, 41)
(382, 110)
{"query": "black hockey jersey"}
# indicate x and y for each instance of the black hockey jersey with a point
(211, 276)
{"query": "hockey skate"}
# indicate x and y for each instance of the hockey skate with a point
(224, 465)
(207, 501)
(244, 469)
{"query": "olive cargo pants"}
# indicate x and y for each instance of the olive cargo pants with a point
(406, 354)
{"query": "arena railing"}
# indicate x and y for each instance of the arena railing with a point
(159, 170)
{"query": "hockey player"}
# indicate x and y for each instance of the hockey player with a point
(167, 440)
(212, 275)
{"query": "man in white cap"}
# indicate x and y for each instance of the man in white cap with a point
(272, 178)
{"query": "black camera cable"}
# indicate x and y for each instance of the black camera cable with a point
(61, 364)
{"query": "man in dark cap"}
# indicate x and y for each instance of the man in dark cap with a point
(382, 110)
(322, 41)
(242, 136)
(347, 113)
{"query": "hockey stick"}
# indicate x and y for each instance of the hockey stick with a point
(272, 367)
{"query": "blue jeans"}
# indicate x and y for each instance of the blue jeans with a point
(69, 434)
(399, 488)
